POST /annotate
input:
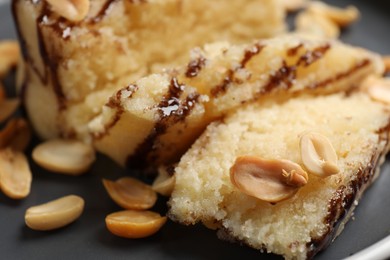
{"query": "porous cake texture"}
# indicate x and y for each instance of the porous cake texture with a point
(155, 119)
(72, 68)
(298, 227)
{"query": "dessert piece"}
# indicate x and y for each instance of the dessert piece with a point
(155, 119)
(72, 67)
(244, 144)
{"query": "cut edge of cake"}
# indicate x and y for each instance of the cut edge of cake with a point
(211, 182)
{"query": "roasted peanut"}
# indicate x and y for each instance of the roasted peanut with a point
(54, 214)
(64, 156)
(73, 10)
(15, 174)
(130, 193)
(268, 180)
(134, 224)
(9, 56)
(8, 107)
(318, 154)
(164, 183)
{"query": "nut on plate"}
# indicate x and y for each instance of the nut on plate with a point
(134, 224)
(9, 56)
(16, 134)
(64, 156)
(164, 183)
(15, 174)
(8, 107)
(130, 193)
(54, 214)
(267, 179)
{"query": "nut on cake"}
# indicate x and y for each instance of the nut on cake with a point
(297, 227)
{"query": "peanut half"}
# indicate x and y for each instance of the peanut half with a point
(9, 56)
(318, 25)
(8, 107)
(378, 89)
(341, 16)
(73, 10)
(268, 180)
(293, 5)
(16, 134)
(15, 174)
(2, 92)
(64, 156)
(164, 183)
(386, 61)
(130, 193)
(54, 214)
(134, 224)
(318, 154)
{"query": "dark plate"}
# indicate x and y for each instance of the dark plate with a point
(88, 238)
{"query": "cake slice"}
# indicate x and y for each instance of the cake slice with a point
(155, 119)
(312, 214)
(71, 68)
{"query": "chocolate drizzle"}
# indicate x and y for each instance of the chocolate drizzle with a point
(229, 78)
(341, 75)
(51, 62)
(294, 50)
(194, 67)
(171, 110)
(285, 76)
(222, 87)
(250, 53)
(312, 56)
(282, 78)
(60, 26)
(115, 102)
(23, 47)
(344, 197)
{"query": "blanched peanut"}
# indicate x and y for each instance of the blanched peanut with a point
(7, 108)
(164, 183)
(15, 174)
(64, 156)
(130, 193)
(54, 214)
(268, 180)
(318, 154)
(9, 56)
(134, 224)
(73, 10)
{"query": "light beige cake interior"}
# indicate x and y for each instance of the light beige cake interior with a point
(155, 119)
(72, 68)
(355, 125)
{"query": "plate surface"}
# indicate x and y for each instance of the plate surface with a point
(88, 238)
